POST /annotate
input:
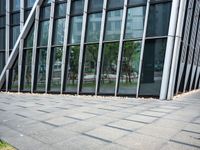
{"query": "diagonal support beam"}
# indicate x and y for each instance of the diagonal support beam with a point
(22, 35)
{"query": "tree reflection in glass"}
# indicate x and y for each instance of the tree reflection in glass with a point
(72, 69)
(108, 68)
(89, 69)
(129, 67)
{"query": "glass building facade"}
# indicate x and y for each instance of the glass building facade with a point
(97, 47)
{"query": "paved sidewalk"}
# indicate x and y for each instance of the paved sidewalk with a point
(55, 122)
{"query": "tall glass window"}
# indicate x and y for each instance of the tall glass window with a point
(135, 22)
(93, 28)
(115, 4)
(27, 62)
(113, 25)
(108, 68)
(89, 69)
(77, 7)
(15, 5)
(153, 59)
(43, 33)
(26, 72)
(75, 29)
(56, 65)
(59, 29)
(95, 5)
(13, 76)
(72, 69)
(136, 2)
(158, 21)
(2, 38)
(129, 67)
(41, 69)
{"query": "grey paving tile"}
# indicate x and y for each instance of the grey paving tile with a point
(153, 113)
(113, 146)
(53, 136)
(142, 118)
(81, 115)
(126, 125)
(187, 138)
(107, 133)
(137, 141)
(193, 127)
(177, 146)
(157, 131)
(80, 142)
(60, 121)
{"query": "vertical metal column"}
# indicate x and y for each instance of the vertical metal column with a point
(185, 42)
(192, 43)
(103, 20)
(82, 45)
(21, 45)
(169, 49)
(65, 45)
(176, 50)
(49, 44)
(121, 46)
(143, 45)
(35, 38)
(7, 39)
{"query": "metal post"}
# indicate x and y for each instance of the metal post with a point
(7, 47)
(65, 44)
(49, 44)
(142, 47)
(21, 45)
(82, 46)
(176, 49)
(103, 20)
(121, 46)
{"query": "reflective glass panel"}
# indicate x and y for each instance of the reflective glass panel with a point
(26, 13)
(89, 68)
(72, 69)
(26, 72)
(115, 3)
(75, 29)
(15, 31)
(153, 59)
(2, 7)
(45, 13)
(113, 25)
(2, 60)
(77, 7)
(129, 67)
(158, 21)
(2, 21)
(136, 2)
(43, 33)
(29, 3)
(60, 10)
(56, 69)
(93, 28)
(14, 76)
(108, 68)
(28, 42)
(15, 19)
(135, 22)
(15, 5)
(59, 30)
(95, 5)
(41, 69)
(2, 38)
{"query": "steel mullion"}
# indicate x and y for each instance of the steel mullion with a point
(49, 44)
(142, 47)
(100, 49)
(121, 46)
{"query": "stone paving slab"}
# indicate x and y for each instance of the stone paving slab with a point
(59, 122)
